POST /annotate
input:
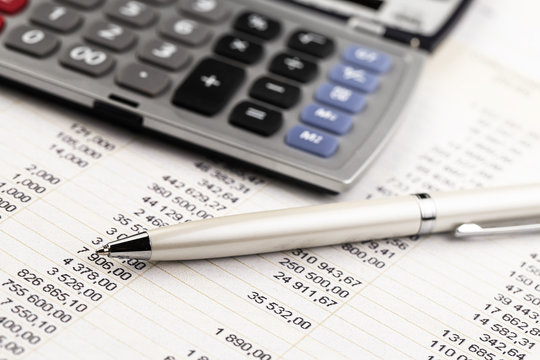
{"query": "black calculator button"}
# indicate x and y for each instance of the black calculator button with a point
(258, 25)
(275, 92)
(143, 79)
(55, 17)
(164, 54)
(84, 4)
(311, 43)
(209, 87)
(87, 59)
(256, 118)
(239, 49)
(293, 67)
(131, 12)
(187, 31)
(109, 35)
(33, 41)
(207, 10)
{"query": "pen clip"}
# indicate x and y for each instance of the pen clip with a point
(471, 230)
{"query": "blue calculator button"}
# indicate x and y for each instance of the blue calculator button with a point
(312, 141)
(340, 97)
(358, 79)
(326, 118)
(368, 59)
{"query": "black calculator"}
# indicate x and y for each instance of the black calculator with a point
(310, 89)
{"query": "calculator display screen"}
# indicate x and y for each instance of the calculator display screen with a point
(422, 17)
(374, 4)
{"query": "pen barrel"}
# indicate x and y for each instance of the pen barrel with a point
(287, 229)
(489, 205)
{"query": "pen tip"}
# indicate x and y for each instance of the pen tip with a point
(104, 251)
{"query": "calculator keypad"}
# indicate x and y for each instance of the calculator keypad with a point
(262, 75)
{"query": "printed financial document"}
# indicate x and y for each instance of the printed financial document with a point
(69, 184)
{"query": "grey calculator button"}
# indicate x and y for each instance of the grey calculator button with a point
(184, 30)
(33, 41)
(87, 59)
(112, 36)
(134, 13)
(84, 4)
(207, 10)
(165, 54)
(56, 17)
(143, 79)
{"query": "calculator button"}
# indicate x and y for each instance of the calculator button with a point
(209, 87)
(258, 25)
(256, 118)
(206, 10)
(355, 78)
(293, 67)
(239, 49)
(12, 6)
(188, 31)
(133, 13)
(326, 118)
(311, 43)
(56, 17)
(32, 41)
(312, 141)
(87, 59)
(368, 59)
(164, 54)
(112, 36)
(84, 4)
(275, 92)
(143, 79)
(341, 98)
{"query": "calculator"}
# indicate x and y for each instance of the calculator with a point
(310, 89)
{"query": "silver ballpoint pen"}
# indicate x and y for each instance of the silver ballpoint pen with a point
(457, 211)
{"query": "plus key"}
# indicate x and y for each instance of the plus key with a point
(11, 6)
(209, 87)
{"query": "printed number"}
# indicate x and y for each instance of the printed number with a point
(88, 55)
